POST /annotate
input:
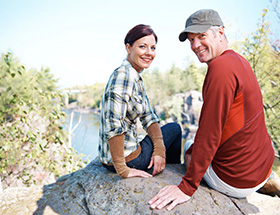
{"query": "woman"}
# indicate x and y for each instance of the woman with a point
(124, 102)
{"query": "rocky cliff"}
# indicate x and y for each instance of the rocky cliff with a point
(94, 190)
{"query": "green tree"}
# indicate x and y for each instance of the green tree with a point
(91, 96)
(32, 141)
(162, 86)
(155, 86)
(198, 75)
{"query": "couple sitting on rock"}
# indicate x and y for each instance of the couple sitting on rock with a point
(232, 150)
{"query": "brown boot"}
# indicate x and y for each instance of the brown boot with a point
(271, 187)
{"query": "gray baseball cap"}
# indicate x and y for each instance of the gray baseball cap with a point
(201, 21)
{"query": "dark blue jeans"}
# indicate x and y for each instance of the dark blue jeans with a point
(172, 137)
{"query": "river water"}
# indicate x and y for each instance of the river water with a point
(85, 137)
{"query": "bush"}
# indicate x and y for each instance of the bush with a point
(33, 145)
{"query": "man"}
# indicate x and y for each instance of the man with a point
(232, 150)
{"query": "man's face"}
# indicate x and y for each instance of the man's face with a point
(207, 45)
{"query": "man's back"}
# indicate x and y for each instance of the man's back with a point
(245, 148)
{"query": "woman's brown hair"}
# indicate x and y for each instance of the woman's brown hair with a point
(138, 32)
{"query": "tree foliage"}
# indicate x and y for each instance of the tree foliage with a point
(161, 87)
(92, 96)
(32, 141)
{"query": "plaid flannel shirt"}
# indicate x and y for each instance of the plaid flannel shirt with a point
(124, 102)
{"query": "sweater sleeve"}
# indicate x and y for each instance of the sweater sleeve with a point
(218, 94)
(116, 145)
(155, 134)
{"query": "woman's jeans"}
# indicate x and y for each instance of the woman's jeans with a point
(172, 137)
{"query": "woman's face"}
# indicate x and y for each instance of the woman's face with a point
(142, 52)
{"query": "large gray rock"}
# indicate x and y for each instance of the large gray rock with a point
(94, 190)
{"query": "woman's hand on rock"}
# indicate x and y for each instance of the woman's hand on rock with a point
(138, 173)
(159, 164)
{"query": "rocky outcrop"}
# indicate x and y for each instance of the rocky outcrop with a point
(183, 108)
(94, 190)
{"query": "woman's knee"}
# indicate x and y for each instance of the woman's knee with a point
(174, 127)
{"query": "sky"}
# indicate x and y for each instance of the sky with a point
(81, 41)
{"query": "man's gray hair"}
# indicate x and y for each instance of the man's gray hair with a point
(215, 30)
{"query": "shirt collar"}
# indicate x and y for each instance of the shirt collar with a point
(132, 71)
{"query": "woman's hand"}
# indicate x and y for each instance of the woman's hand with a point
(158, 162)
(138, 173)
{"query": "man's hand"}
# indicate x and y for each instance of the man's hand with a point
(158, 162)
(170, 193)
(138, 173)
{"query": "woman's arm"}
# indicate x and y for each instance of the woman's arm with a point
(116, 146)
(158, 156)
(155, 134)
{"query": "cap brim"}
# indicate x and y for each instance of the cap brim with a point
(183, 36)
(193, 29)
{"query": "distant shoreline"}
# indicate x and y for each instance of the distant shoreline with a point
(79, 109)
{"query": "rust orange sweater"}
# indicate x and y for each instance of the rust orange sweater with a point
(232, 133)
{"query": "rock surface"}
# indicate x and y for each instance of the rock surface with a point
(94, 190)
